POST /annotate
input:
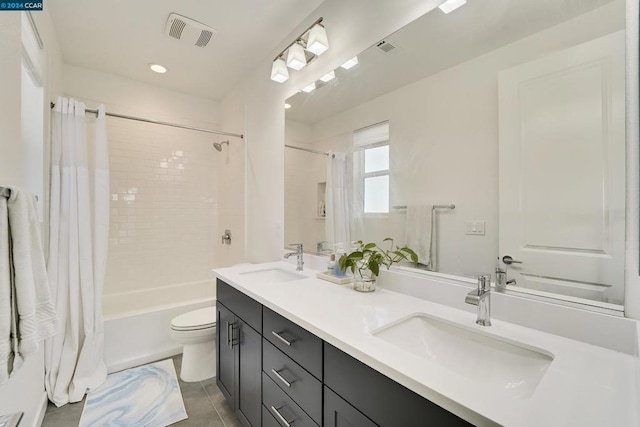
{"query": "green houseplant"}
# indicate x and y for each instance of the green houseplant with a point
(365, 262)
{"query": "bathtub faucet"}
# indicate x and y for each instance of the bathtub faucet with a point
(298, 254)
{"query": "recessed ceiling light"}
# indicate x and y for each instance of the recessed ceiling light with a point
(451, 5)
(328, 77)
(350, 63)
(309, 88)
(158, 68)
(287, 106)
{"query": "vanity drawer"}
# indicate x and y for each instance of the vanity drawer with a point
(267, 419)
(303, 387)
(242, 306)
(296, 342)
(277, 402)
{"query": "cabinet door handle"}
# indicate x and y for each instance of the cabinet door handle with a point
(281, 378)
(279, 415)
(230, 328)
(277, 335)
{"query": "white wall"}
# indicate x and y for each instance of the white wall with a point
(25, 391)
(163, 225)
(10, 74)
(352, 27)
(304, 172)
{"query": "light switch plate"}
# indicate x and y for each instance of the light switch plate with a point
(474, 228)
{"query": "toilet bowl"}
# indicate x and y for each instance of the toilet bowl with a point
(196, 331)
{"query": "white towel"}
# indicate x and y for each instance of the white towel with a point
(33, 317)
(418, 230)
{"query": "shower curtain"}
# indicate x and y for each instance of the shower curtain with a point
(79, 225)
(339, 199)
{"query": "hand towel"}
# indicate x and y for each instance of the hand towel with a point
(418, 230)
(33, 316)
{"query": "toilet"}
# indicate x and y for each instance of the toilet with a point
(196, 331)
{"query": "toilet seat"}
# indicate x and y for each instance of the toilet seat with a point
(203, 318)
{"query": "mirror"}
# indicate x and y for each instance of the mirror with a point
(511, 110)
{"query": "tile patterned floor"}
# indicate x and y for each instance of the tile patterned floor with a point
(203, 400)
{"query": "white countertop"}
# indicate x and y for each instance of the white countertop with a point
(585, 385)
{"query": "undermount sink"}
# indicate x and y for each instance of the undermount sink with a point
(513, 367)
(273, 275)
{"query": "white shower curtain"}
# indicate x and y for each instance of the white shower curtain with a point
(339, 199)
(79, 225)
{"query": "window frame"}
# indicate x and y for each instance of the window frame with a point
(360, 175)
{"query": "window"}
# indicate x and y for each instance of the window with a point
(32, 112)
(371, 166)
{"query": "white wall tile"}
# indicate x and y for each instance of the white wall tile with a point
(164, 183)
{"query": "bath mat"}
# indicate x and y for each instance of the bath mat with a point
(145, 396)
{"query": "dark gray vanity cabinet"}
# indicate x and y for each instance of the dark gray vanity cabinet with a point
(275, 373)
(382, 400)
(239, 353)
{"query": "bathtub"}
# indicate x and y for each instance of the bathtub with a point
(136, 324)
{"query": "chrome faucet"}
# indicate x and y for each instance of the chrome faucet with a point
(320, 247)
(482, 298)
(298, 254)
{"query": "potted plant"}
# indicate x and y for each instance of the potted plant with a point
(365, 262)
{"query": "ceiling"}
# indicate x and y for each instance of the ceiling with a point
(122, 37)
(436, 42)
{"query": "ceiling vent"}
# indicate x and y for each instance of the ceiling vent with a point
(188, 31)
(385, 46)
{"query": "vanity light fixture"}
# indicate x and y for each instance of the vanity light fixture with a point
(350, 63)
(309, 88)
(451, 5)
(158, 68)
(296, 59)
(304, 49)
(328, 77)
(279, 71)
(317, 43)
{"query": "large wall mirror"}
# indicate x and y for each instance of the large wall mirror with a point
(494, 130)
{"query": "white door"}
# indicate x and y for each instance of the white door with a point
(562, 171)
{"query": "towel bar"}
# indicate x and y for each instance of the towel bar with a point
(433, 207)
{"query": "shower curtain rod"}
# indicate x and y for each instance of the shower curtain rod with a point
(307, 150)
(157, 122)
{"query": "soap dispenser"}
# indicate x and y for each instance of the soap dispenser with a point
(331, 264)
(339, 251)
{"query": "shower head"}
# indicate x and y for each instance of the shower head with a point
(218, 145)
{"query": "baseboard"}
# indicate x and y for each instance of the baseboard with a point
(44, 400)
(130, 363)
